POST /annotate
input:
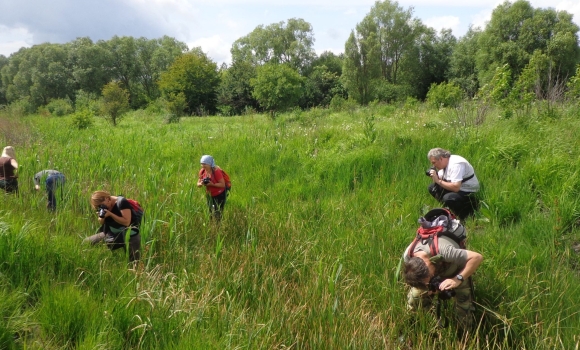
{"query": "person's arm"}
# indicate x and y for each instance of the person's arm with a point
(36, 179)
(14, 164)
(124, 220)
(221, 183)
(200, 178)
(450, 186)
(473, 261)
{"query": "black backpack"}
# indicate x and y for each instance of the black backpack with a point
(136, 211)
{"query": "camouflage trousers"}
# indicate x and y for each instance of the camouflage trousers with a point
(420, 298)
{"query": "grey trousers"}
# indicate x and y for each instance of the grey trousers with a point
(134, 244)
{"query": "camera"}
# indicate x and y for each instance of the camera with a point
(443, 294)
(102, 209)
(206, 180)
(428, 171)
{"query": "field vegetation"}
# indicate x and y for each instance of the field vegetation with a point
(327, 155)
(323, 204)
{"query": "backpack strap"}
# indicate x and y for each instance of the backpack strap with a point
(462, 180)
(432, 240)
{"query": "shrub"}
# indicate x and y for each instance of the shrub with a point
(20, 108)
(339, 104)
(175, 104)
(172, 118)
(387, 92)
(87, 100)
(444, 95)
(82, 119)
(60, 107)
(573, 85)
(114, 102)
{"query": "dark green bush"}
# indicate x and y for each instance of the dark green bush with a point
(444, 95)
(60, 107)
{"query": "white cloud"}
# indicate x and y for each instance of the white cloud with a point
(215, 46)
(481, 18)
(572, 7)
(447, 22)
(12, 39)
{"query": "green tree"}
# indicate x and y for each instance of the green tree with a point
(114, 102)
(197, 77)
(395, 32)
(154, 57)
(516, 30)
(320, 87)
(428, 62)
(124, 64)
(462, 65)
(235, 91)
(3, 62)
(276, 87)
(290, 43)
(498, 89)
(40, 73)
(362, 67)
(88, 65)
(332, 62)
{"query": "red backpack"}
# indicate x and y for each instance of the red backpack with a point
(436, 223)
(226, 179)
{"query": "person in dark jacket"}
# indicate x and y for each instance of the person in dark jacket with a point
(8, 170)
(116, 219)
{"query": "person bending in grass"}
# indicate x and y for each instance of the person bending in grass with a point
(54, 179)
(115, 216)
(447, 272)
(212, 178)
(454, 182)
(8, 170)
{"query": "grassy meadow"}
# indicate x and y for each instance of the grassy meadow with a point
(323, 204)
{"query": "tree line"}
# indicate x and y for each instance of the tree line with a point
(522, 53)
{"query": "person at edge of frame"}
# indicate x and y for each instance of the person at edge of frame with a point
(8, 170)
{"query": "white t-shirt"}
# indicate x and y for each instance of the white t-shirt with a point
(458, 169)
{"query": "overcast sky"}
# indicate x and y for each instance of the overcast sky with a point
(216, 24)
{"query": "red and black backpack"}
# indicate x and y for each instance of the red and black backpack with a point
(436, 223)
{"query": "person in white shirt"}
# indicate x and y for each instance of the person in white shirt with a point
(454, 182)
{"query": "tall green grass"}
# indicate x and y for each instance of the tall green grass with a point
(323, 205)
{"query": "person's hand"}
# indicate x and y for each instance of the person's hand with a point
(450, 283)
(36, 187)
(434, 175)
